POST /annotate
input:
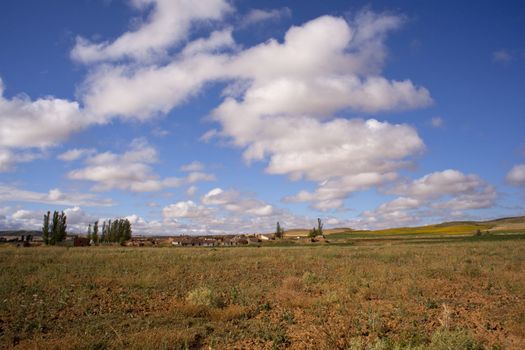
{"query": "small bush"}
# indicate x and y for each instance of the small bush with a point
(457, 340)
(310, 278)
(202, 296)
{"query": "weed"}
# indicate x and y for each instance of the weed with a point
(447, 340)
(310, 278)
(202, 296)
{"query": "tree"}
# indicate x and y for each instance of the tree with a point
(58, 228)
(117, 230)
(279, 232)
(62, 233)
(45, 228)
(89, 233)
(94, 237)
(320, 227)
(54, 228)
(317, 231)
(103, 237)
(109, 234)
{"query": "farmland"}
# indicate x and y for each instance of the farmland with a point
(463, 294)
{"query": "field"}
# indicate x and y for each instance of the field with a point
(467, 293)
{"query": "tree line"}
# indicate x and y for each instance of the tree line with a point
(118, 230)
(54, 230)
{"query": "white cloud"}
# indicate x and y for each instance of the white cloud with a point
(191, 191)
(436, 122)
(54, 196)
(218, 40)
(26, 124)
(77, 217)
(193, 166)
(310, 72)
(6, 160)
(187, 209)
(77, 220)
(76, 153)
(225, 211)
(439, 195)
(142, 92)
(167, 24)
(259, 15)
(237, 202)
(280, 102)
(438, 184)
(516, 175)
(40, 123)
(131, 171)
(323, 67)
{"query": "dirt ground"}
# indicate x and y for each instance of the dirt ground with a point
(462, 295)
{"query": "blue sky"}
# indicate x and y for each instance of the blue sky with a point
(232, 115)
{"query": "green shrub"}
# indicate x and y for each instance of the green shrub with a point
(453, 340)
(202, 296)
(310, 278)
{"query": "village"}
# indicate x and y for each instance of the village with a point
(256, 239)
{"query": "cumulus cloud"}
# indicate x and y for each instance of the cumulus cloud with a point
(168, 24)
(131, 170)
(191, 191)
(321, 67)
(225, 211)
(40, 123)
(76, 153)
(343, 156)
(280, 104)
(235, 201)
(516, 175)
(143, 92)
(6, 160)
(438, 184)
(187, 209)
(217, 41)
(27, 124)
(77, 219)
(281, 98)
(441, 195)
(258, 15)
(54, 196)
(285, 115)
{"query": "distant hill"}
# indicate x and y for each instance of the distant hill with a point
(508, 224)
(20, 232)
(303, 232)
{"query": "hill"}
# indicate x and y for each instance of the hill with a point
(20, 233)
(508, 224)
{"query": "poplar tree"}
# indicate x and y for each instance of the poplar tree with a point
(109, 236)
(62, 233)
(45, 228)
(89, 233)
(94, 237)
(279, 232)
(103, 236)
(55, 226)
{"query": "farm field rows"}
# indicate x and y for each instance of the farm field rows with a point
(465, 295)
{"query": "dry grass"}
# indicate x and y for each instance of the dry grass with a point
(465, 295)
